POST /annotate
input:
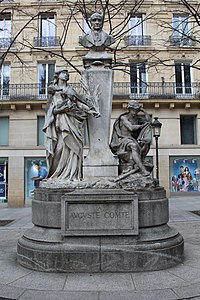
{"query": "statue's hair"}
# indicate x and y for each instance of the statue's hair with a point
(96, 14)
(57, 72)
(134, 105)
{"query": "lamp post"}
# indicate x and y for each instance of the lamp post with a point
(156, 125)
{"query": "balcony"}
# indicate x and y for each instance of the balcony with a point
(181, 41)
(156, 90)
(28, 91)
(5, 42)
(46, 41)
(121, 90)
(137, 40)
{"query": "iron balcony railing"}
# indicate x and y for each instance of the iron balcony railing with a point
(181, 41)
(152, 90)
(155, 90)
(46, 41)
(137, 40)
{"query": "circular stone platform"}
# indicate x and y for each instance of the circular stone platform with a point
(56, 245)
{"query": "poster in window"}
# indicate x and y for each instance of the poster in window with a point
(2, 190)
(2, 173)
(186, 176)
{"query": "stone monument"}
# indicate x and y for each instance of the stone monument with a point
(104, 213)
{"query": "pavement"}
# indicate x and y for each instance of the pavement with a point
(180, 282)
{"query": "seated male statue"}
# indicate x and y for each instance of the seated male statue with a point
(131, 140)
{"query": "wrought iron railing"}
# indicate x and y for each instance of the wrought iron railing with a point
(46, 41)
(152, 90)
(181, 41)
(137, 40)
(155, 90)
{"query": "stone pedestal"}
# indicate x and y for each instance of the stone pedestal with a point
(100, 230)
(100, 161)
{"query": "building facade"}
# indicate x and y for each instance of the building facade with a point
(155, 61)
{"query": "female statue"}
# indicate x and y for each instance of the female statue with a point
(64, 129)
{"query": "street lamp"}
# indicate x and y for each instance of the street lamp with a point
(156, 125)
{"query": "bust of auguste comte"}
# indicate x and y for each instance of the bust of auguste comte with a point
(96, 39)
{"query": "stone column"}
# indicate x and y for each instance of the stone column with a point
(100, 161)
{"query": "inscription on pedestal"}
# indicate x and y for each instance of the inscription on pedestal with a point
(99, 217)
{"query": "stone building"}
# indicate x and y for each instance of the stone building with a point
(157, 61)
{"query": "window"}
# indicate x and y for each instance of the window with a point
(180, 30)
(30, 171)
(183, 78)
(136, 25)
(47, 30)
(138, 76)
(184, 173)
(40, 133)
(137, 31)
(86, 26)
(4, 131)
(45, 76)
(5, 80)
(188, 129)
(5, 30)
(3, 179)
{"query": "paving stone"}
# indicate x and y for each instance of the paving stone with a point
(156, 280)
(10, 292)
(189, 291)
(41, 281)
(44, 295)
(99, 282)
(187, 273)
(11, 271)
(166, 294)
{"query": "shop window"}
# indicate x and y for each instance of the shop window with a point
(30, 172)
(40, 133)
(188, 129)
(185, 174)
(3, 179)
(4, 131)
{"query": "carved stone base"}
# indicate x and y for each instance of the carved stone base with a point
(96, 230)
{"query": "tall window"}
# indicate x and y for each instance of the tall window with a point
(136, 26)
(183, 78)
(5, 80)
(47, 30)
(45, 76)
(180, 30)
(138, 76)
(4, 131)
(40, 133)
(188, 129)
(86, 26)
(5, 30)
